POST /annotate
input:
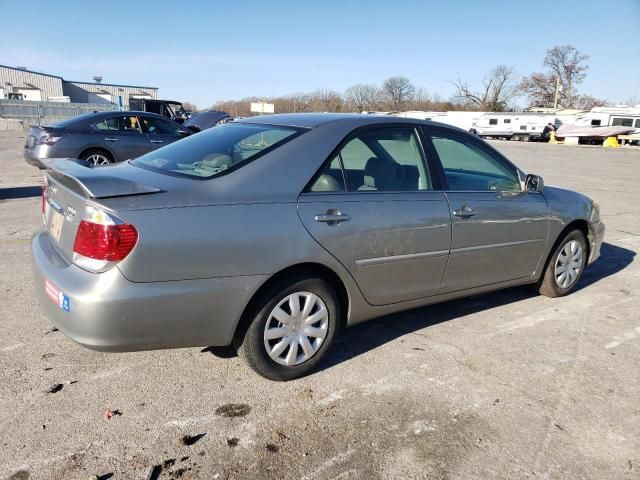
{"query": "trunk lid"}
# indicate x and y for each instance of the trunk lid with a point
(36, 133)
(69, 188)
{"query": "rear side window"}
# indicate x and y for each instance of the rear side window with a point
(493, 121)
(217, 150)
(382, 159)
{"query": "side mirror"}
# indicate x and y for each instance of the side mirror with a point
(534, 183)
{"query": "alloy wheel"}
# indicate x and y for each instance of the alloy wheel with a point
(97, 160)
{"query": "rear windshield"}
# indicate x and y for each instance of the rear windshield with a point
(217, 150)
(70, 121)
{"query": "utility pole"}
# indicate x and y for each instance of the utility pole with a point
(555, 96)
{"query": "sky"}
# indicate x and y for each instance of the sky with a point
(206, 51)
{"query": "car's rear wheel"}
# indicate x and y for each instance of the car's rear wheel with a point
(565, 266)
(291, 329)
(97, 158)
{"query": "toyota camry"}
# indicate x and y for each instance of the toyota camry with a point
(272, 233)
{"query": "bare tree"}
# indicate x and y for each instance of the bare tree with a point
(566, 68)
(498, 89)
(421, 100)
(323, 100)
(587, 102)
(398, 91)
(569, 65)
(362, 97)
(540, 88)
(190, 107)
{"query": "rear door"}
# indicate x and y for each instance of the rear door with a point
(375, 208)
(122, 136)
(499, 230)
(161, 132)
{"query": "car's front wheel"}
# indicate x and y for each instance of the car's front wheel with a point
(291, 329)
(565, 266)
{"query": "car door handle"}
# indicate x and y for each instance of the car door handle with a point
(465, 212)
(332, 217)
(157, 141)
(111, 139)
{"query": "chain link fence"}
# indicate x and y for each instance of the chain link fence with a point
(44, 113)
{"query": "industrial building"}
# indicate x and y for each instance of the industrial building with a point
(18, 83)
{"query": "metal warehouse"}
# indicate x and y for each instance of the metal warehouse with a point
(23, 84)
(18, 83)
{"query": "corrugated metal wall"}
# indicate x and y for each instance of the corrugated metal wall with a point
(44, 113)
(79, 91)
(50, 86)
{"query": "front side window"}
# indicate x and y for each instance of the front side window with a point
(469, 167)
(119, 124)
(382, 159)
(637, 122)
(159, 126)
(214, 151)
(507, 120)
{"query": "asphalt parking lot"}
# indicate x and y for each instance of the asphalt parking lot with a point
(507, 385)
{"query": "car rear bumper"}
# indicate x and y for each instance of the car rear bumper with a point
(108, 312)
(596, 237)
(35, 157)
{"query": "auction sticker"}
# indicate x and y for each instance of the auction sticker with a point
(57, 296)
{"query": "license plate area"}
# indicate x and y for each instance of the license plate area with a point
(56, 224)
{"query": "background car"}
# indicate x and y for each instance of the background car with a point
(271, 233)
(101, 138)
(199, 121)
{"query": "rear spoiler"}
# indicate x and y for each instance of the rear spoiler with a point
(95, 182)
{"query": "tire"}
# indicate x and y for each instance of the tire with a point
(554, 284)
(97, 157)
(282, 365)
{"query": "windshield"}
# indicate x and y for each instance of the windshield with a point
(217, 150)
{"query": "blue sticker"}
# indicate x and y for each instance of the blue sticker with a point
(66, 303)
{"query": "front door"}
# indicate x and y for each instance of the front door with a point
(161, 132)
(373, 207)
(499, 230)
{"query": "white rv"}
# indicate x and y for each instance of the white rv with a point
(621, 116)
(522, 126)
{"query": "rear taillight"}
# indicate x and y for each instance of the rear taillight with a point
(49, 139)
(44, 193)
(105, 242)
(102, 240)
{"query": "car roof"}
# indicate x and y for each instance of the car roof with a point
(313, 120)
(91, 117)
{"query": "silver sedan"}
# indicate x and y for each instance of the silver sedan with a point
(272, 233)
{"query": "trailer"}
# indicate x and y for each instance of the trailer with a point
(518, 126)
(620, 116)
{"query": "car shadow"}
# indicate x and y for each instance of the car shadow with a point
(20, 192)
(359, 339)
(367, 336)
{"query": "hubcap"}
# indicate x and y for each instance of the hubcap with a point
(568, 264)
(97, 160)
(296, 328)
